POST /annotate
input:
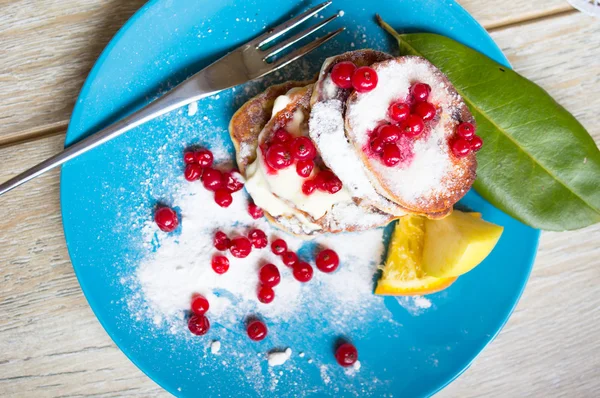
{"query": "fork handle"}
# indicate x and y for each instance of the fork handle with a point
(183, 94)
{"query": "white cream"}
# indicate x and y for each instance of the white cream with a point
(281, 193)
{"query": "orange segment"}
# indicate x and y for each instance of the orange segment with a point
(402, 273)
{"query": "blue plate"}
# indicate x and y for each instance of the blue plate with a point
(108, 193)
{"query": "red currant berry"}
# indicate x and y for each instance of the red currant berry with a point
(199, 304)
(269, 275)
(189, 157)
(413, 126)
(240, 247)
(346, 355)
(377, 145)
(281, 137)
(220, 264)
(308, 187)
(166, 219)
(420, 91)
(278, 246)
(255, 211)
(426, 110)
(327, 261)
(278, 156)
(192, 172)
(304, 168)
(265, 294)
(258, 238)
(391, 155)
(399, 111)
(476, 143)
(465, 130)
(364, 79)
(303, 272)
(256, 330)
(204, 158)
(212, 179)
(221, 241)
(461, 147)
(223, 197)
(389, 133)
(198, 325)
(303, 148)
(341, 74)
(329, 182)
(231, 180)
(289, 258)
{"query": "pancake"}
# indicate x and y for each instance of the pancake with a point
(254, 124)
(429, 179)
(327, 130)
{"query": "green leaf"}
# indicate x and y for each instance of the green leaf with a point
(538, 163)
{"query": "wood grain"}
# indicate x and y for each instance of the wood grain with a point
(49, 46)
(52, 345)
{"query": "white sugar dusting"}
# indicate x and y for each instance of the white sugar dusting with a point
(415, 305)
(423, 177)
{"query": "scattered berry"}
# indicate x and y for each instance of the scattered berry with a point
(281, 136)
(199, 304)
(389, 133)
(327, 261)
(231, 181)
(420, 91)
(304, 168)
(220, 264)
(391, 155)
(346, 355)
(465, 130)
(399, 111)
(198, 324)
(258, 238)
(364, 79)
(223, 197)
(265, 294)
(221, 241)
(476, 143)
(166, 219)
(426, 110)
(413, 126)
(327, 181)
(189, 157)
(255, 211)
(192, 172)
(269, 275)
(341, 74)
(278, 156)
(303, 272)
(240, 247)
(377, 145)
(278, 246)
(289, 258)
(461, 147)
(308, 187)
(204, 158)
(303, 148)
(256, 330)
(212, 179)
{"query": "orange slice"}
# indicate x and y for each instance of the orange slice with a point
(402, 274)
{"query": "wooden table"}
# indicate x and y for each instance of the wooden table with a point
(52, 345)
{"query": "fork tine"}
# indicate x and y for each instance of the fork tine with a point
(274, 33)
(283, 61)
(282, 46)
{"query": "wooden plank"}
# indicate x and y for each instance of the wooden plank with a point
(49, 46)
(51, 344)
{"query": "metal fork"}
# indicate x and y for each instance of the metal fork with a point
(247, 62)
(590, 7)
